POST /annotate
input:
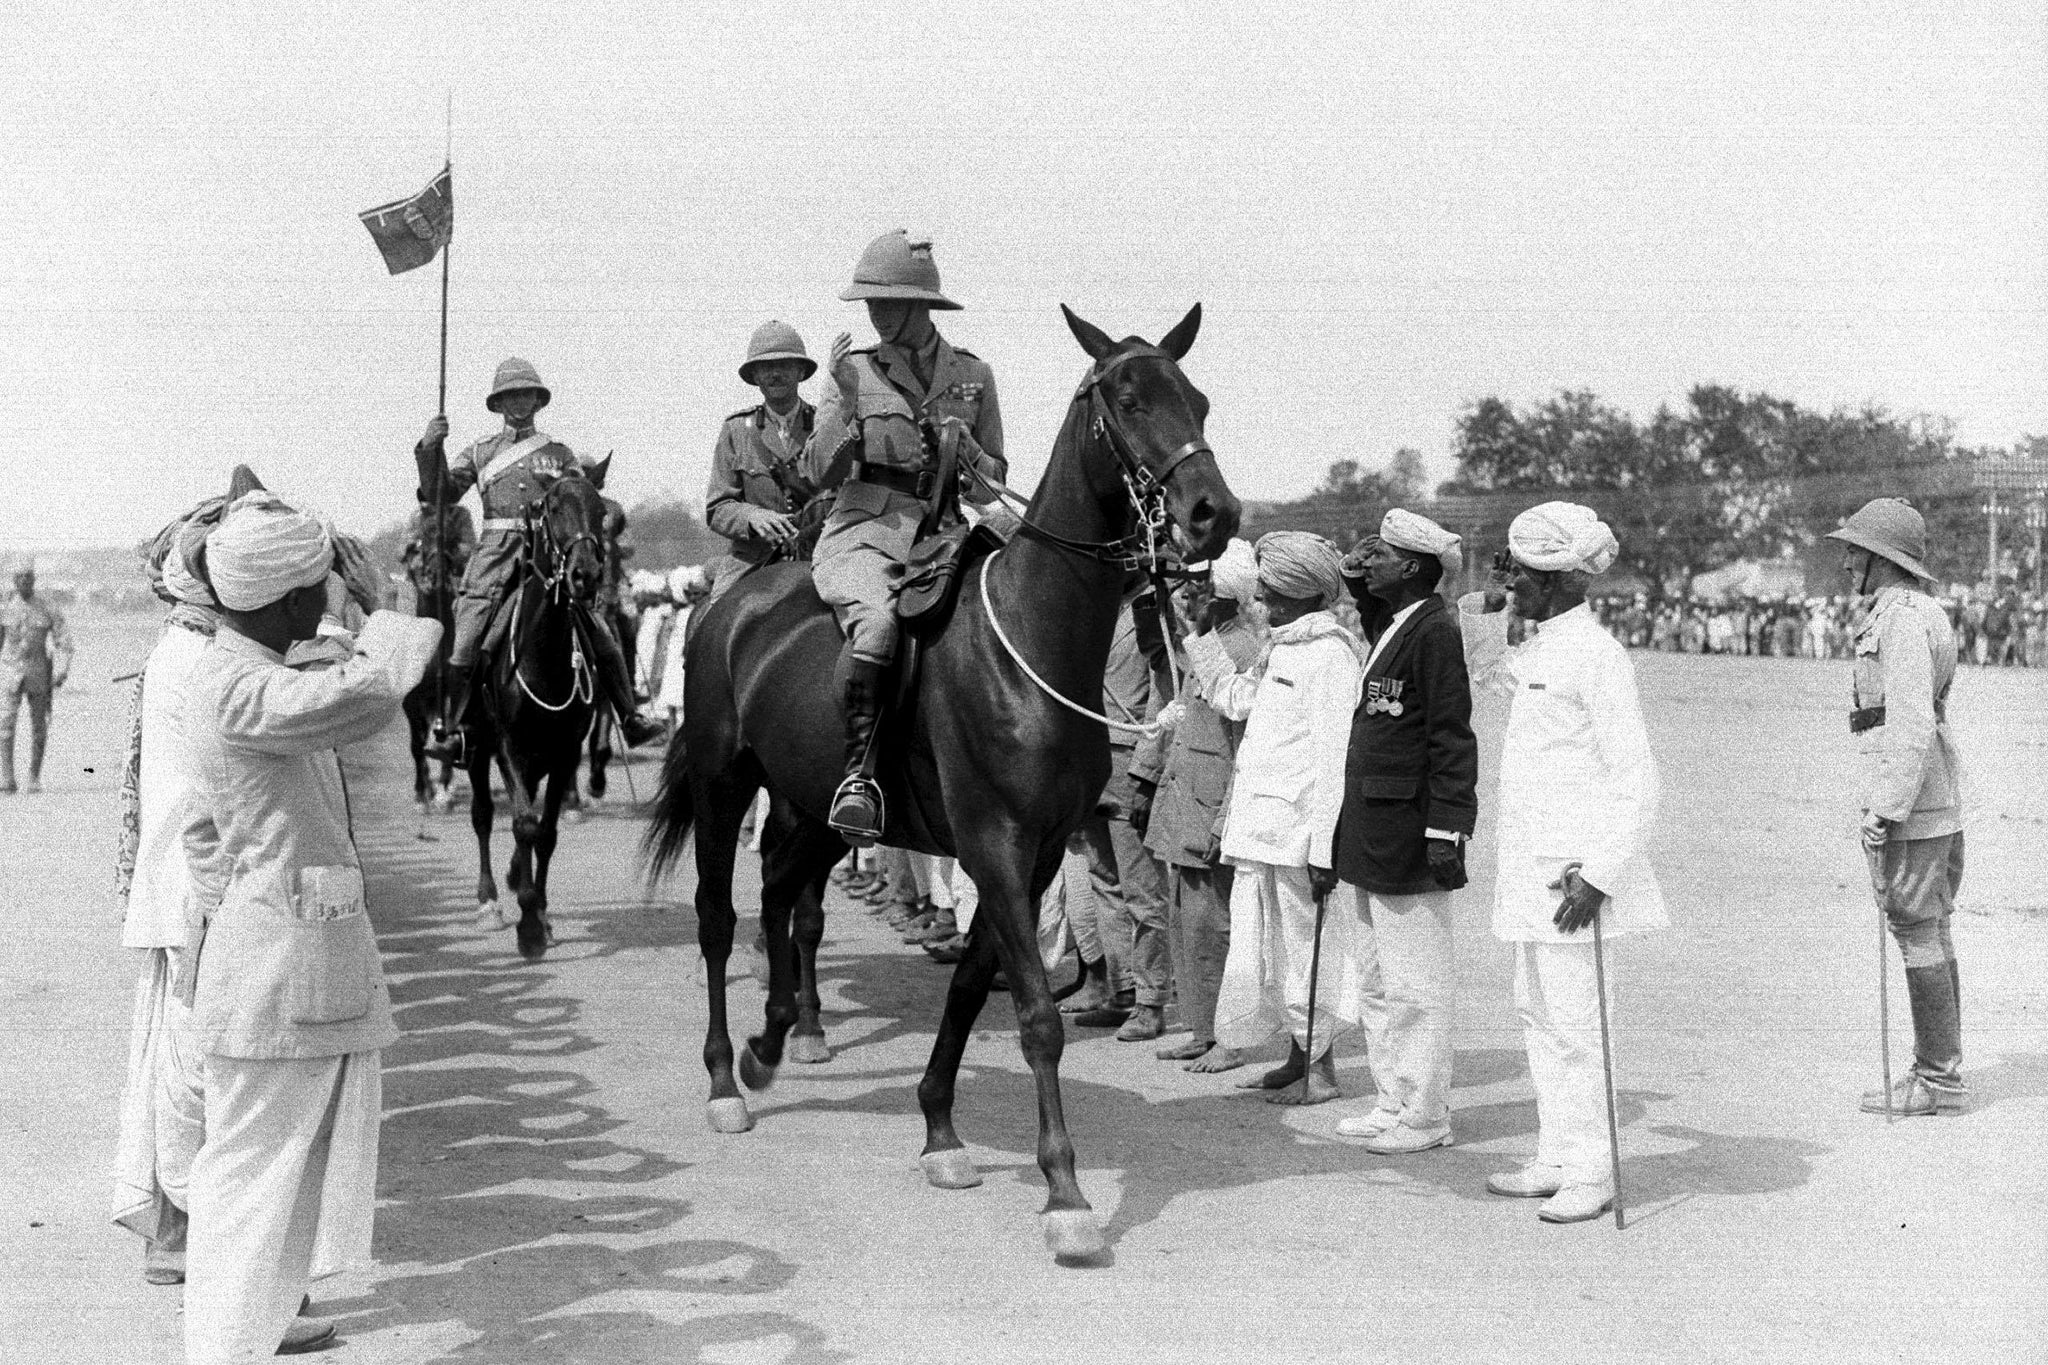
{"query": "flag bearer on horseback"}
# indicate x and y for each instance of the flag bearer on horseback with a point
(511, 471)
(875, 443)
(758, 484)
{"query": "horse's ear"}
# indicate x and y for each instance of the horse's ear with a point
(599, 470)
(1181, 339)
(1093, 339)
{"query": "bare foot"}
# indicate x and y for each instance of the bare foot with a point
(1214, 1060)
(1318, 1087)
(1182, 1052)
(1281, 1076)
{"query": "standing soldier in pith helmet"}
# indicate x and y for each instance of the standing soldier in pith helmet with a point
(511, 471)
(883, 399)
(758, 483)
(1912, 809)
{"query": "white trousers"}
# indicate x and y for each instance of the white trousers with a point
(1416, 995)
(1559, 1002)
(1272, 944)
(283, 1192)
(163, 1107)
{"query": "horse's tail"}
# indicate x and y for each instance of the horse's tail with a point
(674, 813)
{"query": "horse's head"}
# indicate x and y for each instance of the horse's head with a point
(1152, 417)
(572, 539)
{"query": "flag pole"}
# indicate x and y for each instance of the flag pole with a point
(439, 538)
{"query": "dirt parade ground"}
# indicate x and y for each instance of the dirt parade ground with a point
(550, 1190)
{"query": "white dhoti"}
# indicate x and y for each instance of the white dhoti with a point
(1266, 977)
(1409, 938)
(1558, 999)
(282, 1193)
(162, 1108)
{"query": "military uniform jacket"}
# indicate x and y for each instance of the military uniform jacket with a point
(749, 450)
(507, 489)
(1905, 662)
(33, 636)
(889, 402)
(287, 962)
(1412, 764)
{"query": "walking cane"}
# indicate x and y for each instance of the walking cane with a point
(1874, 859)
(1315, 970)
(1607, 1066)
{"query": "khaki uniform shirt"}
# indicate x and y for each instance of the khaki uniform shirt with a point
(287, 960)
(33, 638)
(1905, 662)
(505, 498)
(889, 400)
(751, 446)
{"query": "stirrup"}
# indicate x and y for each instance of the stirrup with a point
(447, 746)
(857, 810)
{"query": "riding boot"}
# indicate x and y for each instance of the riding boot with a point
(1937, 1028)
(857, 806)
(615, 676)
(449, 742)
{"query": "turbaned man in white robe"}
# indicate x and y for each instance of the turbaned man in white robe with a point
(287, 992)
(1578, 792)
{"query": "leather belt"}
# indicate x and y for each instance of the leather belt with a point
(503, 524)
(916, 483)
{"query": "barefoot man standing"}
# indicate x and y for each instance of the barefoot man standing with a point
(1287, 790)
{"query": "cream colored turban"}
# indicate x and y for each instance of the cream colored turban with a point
(1235, 572)
(181, 583)
(1405, 530)
(1300, 564)
(264, 548)
(1562, 535)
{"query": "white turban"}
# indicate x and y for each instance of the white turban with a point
(264, 548)
(685, 577)
(1235, 572)
(181, 583)
(1406, 531)
(1562, 535)
(1300, 564)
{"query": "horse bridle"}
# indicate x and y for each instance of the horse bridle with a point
(541, 536)
(1142, 548)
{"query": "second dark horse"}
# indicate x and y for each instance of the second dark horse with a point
(986, 765)
(537, 696)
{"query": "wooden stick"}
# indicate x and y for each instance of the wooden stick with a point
(1607, 1066)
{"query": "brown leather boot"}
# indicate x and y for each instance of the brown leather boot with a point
(857, 812)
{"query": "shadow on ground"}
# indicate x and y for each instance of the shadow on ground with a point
(510, 1209)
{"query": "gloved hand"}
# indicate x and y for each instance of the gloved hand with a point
(1581, 903)
(1171, 714)
(1321, 881)
(772, 526)
(437, 432)
(1876, 830)
(1446, 863)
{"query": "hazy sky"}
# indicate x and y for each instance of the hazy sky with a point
(1384, 218)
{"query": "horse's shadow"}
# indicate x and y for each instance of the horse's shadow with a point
(514, 1218)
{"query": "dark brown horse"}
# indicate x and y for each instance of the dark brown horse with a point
(985, 764)
(537, 695)
(434, 561)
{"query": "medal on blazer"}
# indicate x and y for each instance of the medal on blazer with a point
(1383, 696)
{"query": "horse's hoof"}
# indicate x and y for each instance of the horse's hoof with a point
(755, 1074)
(728, 1115)
(1072, 1234)
(807, 1047)
(490, 918)
(573, 816)
(953, 1169)
(445, 802)
(419, 808)
(533, 943)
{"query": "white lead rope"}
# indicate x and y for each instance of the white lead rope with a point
(989, 611)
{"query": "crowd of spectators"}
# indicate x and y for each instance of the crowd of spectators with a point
(2008, 630)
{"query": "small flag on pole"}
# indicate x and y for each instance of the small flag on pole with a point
(411, 232)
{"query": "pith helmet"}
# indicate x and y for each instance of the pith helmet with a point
(513, 375)
(1892, 528)
(775, 341)
(895, 267)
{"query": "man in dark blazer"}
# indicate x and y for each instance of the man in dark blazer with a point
(1410, 802)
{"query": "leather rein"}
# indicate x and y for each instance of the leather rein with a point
(541, 541)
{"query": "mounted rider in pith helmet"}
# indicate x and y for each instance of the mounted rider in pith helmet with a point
(759, 492)
(512, 470)
(877, 442)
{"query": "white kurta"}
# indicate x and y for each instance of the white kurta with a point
(162, 1102)
(1287, 787)
(1577, 780)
